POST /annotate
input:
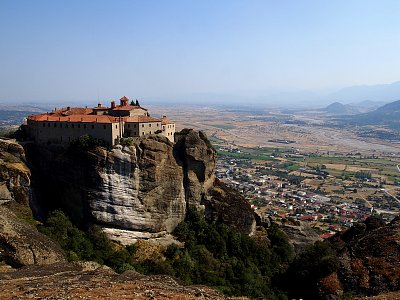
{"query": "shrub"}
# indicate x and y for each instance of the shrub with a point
(91, 245)
(73, 241)
(205, 139)
(86, 142)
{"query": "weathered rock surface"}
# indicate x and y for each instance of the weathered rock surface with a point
(21, 244)
(198, 162)
(138, 188)
(223, 204)
(14, 174)
(300, 236)
(369, 255)
(91, 281)
(143, 188)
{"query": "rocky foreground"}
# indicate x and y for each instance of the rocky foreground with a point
(89, 280)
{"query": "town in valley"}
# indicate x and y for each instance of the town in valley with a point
(301, 166)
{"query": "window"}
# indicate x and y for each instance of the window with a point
(149, 125)
(150, 132)
(66, 125)
(55, 124)
(60, 125)
(72, 125)
(134, 125)
(129, 126)
(142, 133)
(84, 126)
(92, 126)
(104, 126)
(48, 124)
(142, 125)
(79, 125)
(116, 126)
(44, 124)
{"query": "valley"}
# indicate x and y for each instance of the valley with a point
(302, 166)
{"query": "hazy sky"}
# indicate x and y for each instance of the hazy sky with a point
(67, 50)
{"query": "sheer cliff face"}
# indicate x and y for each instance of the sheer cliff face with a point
(20, 243)
(138, 191)
(14, 174)
(138, 188)
(198, 162)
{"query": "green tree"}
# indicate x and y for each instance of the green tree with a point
(316, 262)
(73, 241)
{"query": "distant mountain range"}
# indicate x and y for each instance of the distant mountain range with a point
(379, 92)
(338, 108)
(388, 115)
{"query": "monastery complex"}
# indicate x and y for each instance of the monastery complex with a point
(109, 124)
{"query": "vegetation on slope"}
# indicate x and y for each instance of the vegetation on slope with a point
(91, 244)
(217, 256)
(213, 254)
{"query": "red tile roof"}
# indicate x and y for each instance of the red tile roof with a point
(124, 98)
(166, 121)
(74, 118)
(77, 114)
(91, 118)
(326, 235)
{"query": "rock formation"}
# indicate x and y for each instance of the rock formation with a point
(139, 188)
(137, 191)
(369, 255)
(14, 174)
(300, 236)
(20, 243)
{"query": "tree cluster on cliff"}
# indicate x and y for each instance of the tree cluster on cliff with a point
(214, 254)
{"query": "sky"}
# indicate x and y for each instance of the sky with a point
(93, 49)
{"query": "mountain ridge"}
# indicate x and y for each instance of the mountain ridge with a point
(387, 115)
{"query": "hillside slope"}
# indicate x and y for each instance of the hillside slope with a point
(338, 108)
(88, 280)
(387, 115)
(369, 256)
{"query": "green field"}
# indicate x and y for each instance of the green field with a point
(380, 166)
(246, 155)
(223, 126)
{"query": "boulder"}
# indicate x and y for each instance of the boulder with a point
(21, 244)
